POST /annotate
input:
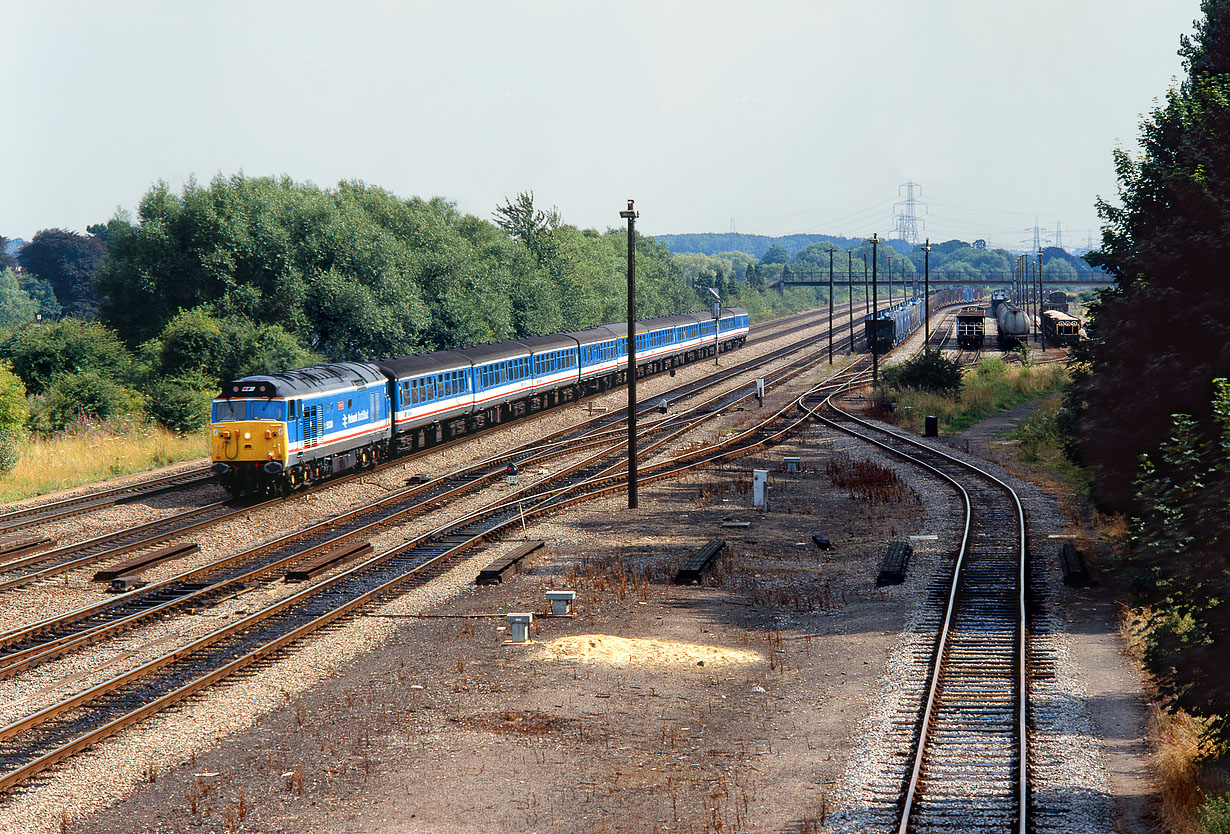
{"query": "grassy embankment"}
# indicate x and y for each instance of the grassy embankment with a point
(990, 387)
(93, 453)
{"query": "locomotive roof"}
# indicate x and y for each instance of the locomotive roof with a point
(317, 379)
(417, 364)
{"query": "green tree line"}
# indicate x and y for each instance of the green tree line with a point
(1149, 411)
(248, 275)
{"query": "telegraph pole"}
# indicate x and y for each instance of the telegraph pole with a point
(831, 304)
(875, 315)
(630, 215)
(927, 293)
(1041, 329)
(850, 289)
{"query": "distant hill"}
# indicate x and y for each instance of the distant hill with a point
(757, 245)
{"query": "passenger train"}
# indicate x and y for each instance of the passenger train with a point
(279, 432)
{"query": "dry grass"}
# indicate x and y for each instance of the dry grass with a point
(1176, 741)
(94, 452)
(989, 388)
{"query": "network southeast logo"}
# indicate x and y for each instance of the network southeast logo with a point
(356, 417)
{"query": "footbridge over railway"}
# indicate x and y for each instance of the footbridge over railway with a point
(940, 278)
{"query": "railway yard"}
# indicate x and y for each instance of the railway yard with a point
(384, 691)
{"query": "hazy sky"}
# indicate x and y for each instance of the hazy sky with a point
(778, 117)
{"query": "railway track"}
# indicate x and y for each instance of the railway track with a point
(960, 751)
(25, 517)
(43, 738)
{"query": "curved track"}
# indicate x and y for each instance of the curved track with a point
(967, 771)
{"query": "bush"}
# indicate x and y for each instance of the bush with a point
(1215, 815)
(40, 352)
(10, 450)
(992, 367)
(182, 403)
(87, 395)
(13, 409)
(196, 342)
(929, 371)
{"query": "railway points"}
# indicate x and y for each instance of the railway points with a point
(658, 461)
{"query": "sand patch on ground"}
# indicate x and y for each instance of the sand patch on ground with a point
(625, 651)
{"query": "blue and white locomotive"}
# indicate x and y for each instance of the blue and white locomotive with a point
(278, 432)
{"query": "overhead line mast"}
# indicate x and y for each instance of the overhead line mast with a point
(906, 221)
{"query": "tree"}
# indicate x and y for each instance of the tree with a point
(67, 261)
(7, 261)
(525, 223)
(1166, 247)
(13, 409)
(16, 305)
(775, 255)
(1181, 563)
(1151, 405)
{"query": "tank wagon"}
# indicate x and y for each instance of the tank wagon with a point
(1012, 324)
(998, 298)
(279, 432)
(971, 328)
(1060, 328)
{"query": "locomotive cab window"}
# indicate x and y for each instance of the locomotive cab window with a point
(225, 410)
(267, 410)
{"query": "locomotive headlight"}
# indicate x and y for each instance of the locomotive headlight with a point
(268, 434)
(247, 435)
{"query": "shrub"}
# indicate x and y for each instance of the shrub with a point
(992, 367)
(197, 342)
(13, 409)
(182, 403)
(10, 450)
(40, 352)
(86, 395)
(1215, 815)
(929, 371)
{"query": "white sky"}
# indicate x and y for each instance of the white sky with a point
(785, 116)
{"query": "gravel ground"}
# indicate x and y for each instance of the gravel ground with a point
(416, 716)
